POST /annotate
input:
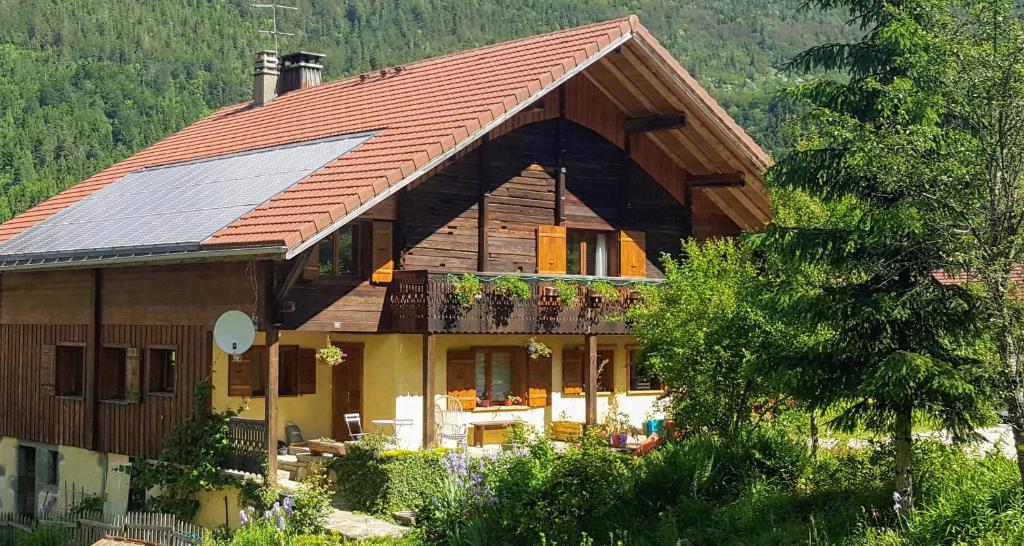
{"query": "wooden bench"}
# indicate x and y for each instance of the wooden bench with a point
(480, 428)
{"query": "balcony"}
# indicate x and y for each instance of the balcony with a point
(428, 302)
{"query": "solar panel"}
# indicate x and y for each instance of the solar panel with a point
(173, 208)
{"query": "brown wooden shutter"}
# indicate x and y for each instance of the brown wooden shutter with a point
(462, 377)
(311, 269)
(240, 373)
(539, 381)
(48, 369)
(288, 370)
(572, 371)
(307, 371)
(551, 250)
(132, 375)
(632, 256)
(383, 252)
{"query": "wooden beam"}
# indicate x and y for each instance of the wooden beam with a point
(271, 362)
(272, 356)
(560, 143)
(720, 180)
(483, 205)
(90, 379)
(429, 374)
(657, 122)
(590, 378)
(296, 265)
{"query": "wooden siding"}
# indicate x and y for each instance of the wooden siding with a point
(139, 307)
(337, 305)
(438, 219)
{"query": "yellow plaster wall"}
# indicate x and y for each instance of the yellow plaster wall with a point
(312, 412)
(392, 383)
(212, 506)
(82, 469)
(8, 468)
(116, 501)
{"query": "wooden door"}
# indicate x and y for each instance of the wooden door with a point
(348, 389)
(26, 481)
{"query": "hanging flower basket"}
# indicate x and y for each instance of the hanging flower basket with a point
(330, 355)
(537, 349)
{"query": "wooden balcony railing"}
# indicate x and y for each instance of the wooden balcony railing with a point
(426, 302)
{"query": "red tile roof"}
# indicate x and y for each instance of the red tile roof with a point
(427, 109)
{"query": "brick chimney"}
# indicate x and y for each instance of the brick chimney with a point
(300, 70)
(265, 78)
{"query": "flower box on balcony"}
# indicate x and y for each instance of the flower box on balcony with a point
(549, 296)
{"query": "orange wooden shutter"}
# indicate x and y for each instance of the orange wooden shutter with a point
(132, 375)
(240, 372)
(462, 377)
(307, 371)
(539, 379)
(48, 369)
(572, 371)
(383, 253)
(632, 257)
(551, 250)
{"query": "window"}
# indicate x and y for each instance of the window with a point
(52, 464)
(493, 375)
(573, 361)
(162, 363)
(113, 361)
(296, 372)
(70, 366)
(339, 252)
(587, 253)
(639, 378)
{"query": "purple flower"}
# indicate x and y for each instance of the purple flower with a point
(289, 505)
(243, 517)
(280, 522)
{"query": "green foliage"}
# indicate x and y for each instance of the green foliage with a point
(40, 536)
(331, 355)
(705, 332)
(87, 84)
(512, 287)
(191, 460)
(567, 291)
(92, 503)
(384, 482)
(467, 288)
(604, 289)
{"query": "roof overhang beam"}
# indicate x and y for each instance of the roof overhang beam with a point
(657, 122)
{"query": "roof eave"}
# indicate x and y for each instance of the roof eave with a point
(275, 252)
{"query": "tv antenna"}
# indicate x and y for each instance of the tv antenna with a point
(275, 31)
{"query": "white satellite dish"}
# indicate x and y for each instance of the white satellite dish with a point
(234, 332)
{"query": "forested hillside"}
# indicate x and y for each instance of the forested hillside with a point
(84, 83)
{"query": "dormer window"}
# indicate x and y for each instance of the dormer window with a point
(338, 252)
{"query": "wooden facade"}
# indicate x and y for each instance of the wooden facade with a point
(173, 307)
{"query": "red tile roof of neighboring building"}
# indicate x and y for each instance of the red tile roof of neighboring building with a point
(422, 112)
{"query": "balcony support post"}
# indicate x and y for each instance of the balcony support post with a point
(272, 364)
(590, 379)
(482, 206)
(429, 374)
(560, 139)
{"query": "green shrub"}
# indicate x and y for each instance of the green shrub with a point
(40, 536)
(388, 481)
(567, 291)
(512, 287)
(466, 289)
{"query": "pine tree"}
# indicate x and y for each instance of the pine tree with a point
(900, 342)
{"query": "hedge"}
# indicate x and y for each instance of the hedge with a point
(389, 481)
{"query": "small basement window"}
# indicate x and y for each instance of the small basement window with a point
(112, 367)
(162, 364)
(70, 368)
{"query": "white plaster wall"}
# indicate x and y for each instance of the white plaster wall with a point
(8, 468)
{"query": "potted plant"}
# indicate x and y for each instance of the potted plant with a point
(567, 292)
(512, 287)
(633, 297)
(484, 402)
(601, 291)
(330, 355)
(512, 399)
(537, 349)
(467, 289)
(549, 296)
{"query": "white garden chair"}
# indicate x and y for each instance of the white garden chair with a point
(449, 422)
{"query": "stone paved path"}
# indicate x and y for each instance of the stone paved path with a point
(353, 526)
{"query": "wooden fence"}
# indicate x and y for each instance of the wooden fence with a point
(84, 529)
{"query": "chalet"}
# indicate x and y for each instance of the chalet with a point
(364, 213)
